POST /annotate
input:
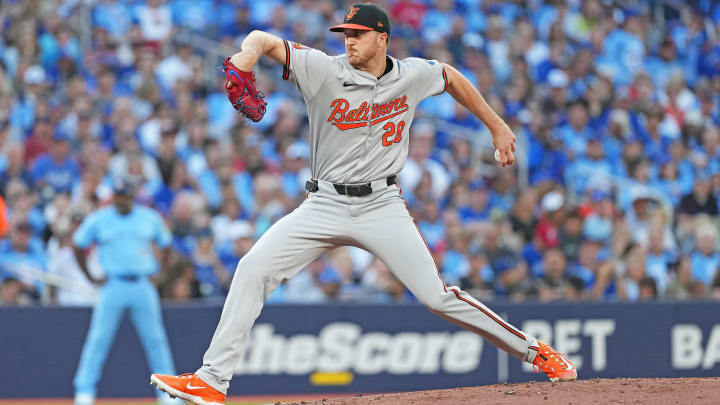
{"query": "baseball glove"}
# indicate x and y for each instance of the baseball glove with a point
(242, 93)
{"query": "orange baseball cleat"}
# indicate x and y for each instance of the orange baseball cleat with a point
(555, 365)
(188, 387)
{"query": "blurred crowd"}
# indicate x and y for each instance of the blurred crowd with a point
(616, 106)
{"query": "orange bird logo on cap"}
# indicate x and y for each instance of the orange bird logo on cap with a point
(351, 13)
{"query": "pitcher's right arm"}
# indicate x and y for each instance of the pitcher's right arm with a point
(256, 44)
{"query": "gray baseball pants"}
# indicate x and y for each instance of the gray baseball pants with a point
(379, 223)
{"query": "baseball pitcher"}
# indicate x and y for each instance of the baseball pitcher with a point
(360, 106)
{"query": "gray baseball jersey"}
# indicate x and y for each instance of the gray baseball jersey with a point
(359, 123)
(358, 134)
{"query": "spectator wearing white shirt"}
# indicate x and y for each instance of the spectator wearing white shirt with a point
(175, 67)
(155, 20)
(305, 287)
(73, 289)
(524, 42)
(422, 143)
(498, 48)
(129, 153)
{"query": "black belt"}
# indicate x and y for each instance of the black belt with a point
(127, 277)
(355, 190)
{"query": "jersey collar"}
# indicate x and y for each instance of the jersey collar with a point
(361, 78)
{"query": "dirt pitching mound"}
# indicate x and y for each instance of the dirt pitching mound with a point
(653, 391)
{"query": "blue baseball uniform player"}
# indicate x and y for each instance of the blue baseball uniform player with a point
(124, 234)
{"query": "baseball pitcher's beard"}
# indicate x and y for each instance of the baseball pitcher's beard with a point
(357, 59)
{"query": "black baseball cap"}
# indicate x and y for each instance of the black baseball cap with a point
(123, 186)
(365, 17)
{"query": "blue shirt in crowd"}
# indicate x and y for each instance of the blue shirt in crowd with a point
(12, 261)
(433, 232)
(703, 266)
(469, 214)
(658, 267)
(60, 176)
(455, 266)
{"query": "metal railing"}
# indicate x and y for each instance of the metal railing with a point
(213, 52)
(31, 274)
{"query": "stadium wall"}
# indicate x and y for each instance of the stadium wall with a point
(352, 348)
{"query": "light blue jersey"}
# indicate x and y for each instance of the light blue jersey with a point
(124, 241)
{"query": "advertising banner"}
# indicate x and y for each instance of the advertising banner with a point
(357, 349)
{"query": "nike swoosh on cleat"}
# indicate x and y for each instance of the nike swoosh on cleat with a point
(190, 387)
(568, 365)
(346, 84)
